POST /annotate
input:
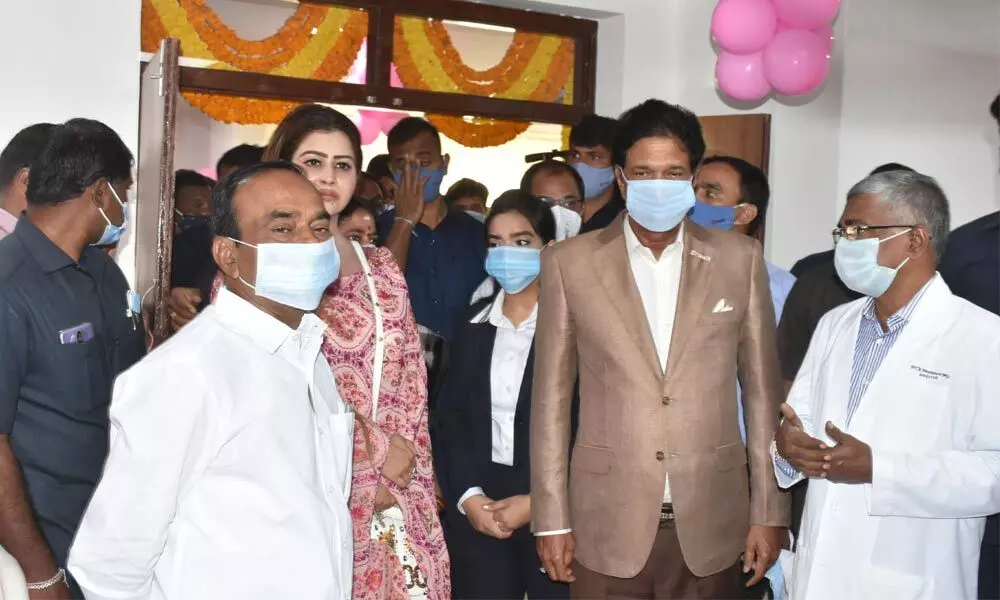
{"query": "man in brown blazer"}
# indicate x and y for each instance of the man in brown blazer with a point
(656, 316)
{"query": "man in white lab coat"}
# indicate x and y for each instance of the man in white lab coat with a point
(230, 461)
(894, 414)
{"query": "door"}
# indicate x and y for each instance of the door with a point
(743, 136)
(154, 227)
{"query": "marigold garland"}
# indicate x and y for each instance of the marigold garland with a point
(481, 83)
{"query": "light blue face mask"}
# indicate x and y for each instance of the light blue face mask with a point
(513, 267)
(857, 265)
(112, 233)
(294, 275)
(659, 204)
(713, 217)
(596, 180)
(476, 215)
(434, 177)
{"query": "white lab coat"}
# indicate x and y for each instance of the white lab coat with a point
(932, 418)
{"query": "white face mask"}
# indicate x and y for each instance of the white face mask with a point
(294, 275)
(857, 265)
(568, 223)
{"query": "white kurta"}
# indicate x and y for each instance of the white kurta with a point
(932, 418)
(229, 469)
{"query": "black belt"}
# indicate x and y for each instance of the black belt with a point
(666, 512)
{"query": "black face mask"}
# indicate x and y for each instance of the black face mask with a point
(189, 222)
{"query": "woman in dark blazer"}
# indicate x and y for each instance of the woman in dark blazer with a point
(485, 403)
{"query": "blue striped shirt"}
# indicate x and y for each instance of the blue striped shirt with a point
(870, 349)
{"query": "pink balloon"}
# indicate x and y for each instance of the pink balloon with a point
(807, 14)
(388, 120)
(796, 62)
(743, 26)
(369, 127)
(826, 34)
(741, 76)
(209, 172)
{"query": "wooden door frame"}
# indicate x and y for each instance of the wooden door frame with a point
(377, 90)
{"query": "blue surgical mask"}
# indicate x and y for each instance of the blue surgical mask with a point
(434, 177)
(513, 267)
(476, 215)
(112, 233)
(659, 204)
(857, 265)
(188, 222)
(713, 217)
(596, 180)
(294, 275)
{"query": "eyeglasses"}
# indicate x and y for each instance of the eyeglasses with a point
(572, 204)
(851, 232)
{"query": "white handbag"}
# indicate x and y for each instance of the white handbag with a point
(389, 526)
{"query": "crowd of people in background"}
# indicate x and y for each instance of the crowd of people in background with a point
(592, 385)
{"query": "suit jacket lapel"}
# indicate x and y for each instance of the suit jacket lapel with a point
(615, 273)
(696, 270)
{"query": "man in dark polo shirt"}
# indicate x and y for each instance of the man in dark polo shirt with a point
(590, 143)
(442, 252)
(68, 326)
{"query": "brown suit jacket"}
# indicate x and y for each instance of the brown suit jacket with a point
(636, 424)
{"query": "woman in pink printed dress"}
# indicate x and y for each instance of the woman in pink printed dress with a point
(399, 548)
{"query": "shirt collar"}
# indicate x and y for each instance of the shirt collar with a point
(635, 246)
(493, 314)
(264, 330)
(7, 222)
(900, 317)
(49, 257)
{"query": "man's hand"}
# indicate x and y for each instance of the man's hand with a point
(850, 461)
(410, 193)
(803, 451)
(481, 518)
(763, 545)
(401, 461)
(512, 513)
(182, 306)
(556, 554)
(384, 498)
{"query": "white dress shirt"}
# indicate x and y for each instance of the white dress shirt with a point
(229, 469)
(658, 282)
(507, 365)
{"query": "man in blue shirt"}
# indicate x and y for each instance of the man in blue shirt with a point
(442, 252)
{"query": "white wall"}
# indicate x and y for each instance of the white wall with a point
(910, 82)
(67, 59)
(919, 77)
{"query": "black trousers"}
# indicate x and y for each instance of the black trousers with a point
(485, 567)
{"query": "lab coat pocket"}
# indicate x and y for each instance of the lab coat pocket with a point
(342, 442)
(881, 584)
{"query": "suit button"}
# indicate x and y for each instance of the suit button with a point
(665, 400)
(659, 456)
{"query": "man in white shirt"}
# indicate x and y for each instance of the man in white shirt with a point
(893, 415)
(656, 315)
(230, 461)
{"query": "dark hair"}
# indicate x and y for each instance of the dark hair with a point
(379, 167)
(995, 108)
(466, 187)
(408, 129)
(550, 166)
(187, 178)
(21, 150)
(594, 130)
(538, 213)
(754, 188)
(76, 156)
(890, 167)
(224, 221)
(656, 118)
(355, 204)
(240, 156)
(307, 119)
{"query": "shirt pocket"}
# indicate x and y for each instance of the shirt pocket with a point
(79, 373)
